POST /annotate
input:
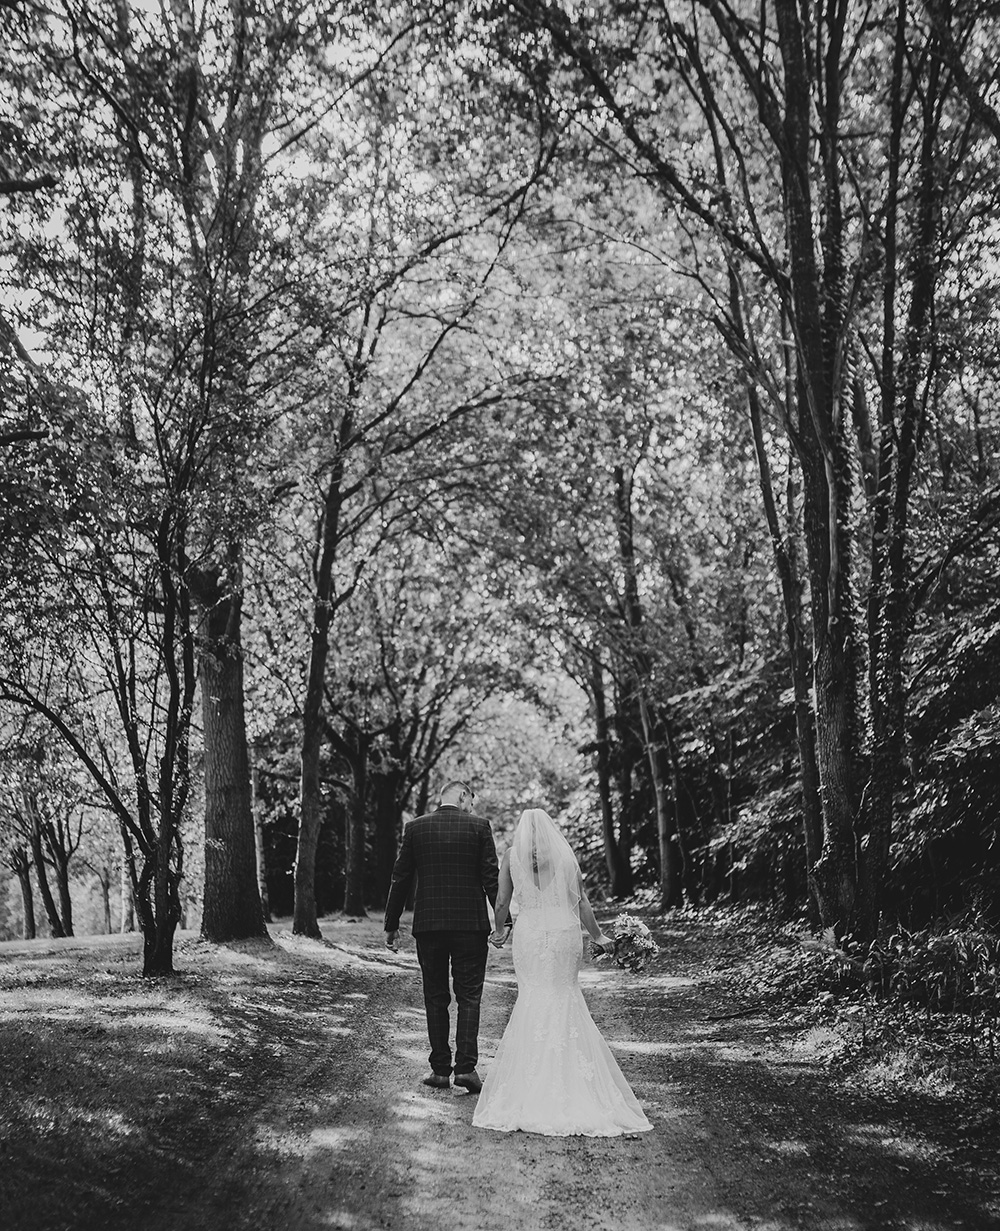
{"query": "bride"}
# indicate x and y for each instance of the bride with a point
(553, 1071)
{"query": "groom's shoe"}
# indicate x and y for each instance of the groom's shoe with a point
(438, 1080)
(470, 1081)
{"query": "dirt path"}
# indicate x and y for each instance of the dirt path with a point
(751, 1131)
(400, 1155)
(294, 1103)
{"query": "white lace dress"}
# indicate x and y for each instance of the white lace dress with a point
(553, 1072)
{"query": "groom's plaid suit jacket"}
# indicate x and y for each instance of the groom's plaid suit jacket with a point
(451, 855)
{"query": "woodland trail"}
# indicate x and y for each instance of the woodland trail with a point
(286, 1083)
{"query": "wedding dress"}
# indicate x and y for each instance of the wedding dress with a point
(553, 1072)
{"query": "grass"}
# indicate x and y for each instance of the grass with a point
(121, 1086)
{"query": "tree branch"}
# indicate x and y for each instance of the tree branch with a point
(9, 187)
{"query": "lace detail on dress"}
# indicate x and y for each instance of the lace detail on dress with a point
(554, 1073)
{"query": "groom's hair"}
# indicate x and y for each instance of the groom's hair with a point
(454, 784)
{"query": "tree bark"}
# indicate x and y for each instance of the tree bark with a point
(51, 912)
(834, 675)
(386, 786)
(231, 905)
(258, 835)
(666, 828)
(619, 870)
(156, 898)
(104, 880)
(889, 608)
(61, 867)
(127, 922)
(159, 923)
(21, 865)
(629, 755)
(786, 562)
(670, 870)
(59, 848)
(354, 870)
(304, 920)
(816, 308)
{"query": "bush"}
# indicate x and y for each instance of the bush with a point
(952, 971)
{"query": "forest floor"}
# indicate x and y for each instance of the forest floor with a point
(276, 1087)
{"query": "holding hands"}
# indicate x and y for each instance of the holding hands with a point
(603, 943)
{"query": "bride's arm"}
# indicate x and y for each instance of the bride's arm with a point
(589, 921)
(501, 911)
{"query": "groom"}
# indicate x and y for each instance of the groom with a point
(451, 854)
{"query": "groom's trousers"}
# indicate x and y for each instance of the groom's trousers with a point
(463, 956)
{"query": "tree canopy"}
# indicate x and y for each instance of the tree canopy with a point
(597, 399)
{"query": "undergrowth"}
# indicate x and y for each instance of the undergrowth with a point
(915, 1008)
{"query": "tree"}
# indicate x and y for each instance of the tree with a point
(412, 247)
(44, 807)
(195, 330)
(18, 859)
(841, 263)
(411, 692)
(101, 854)
(629, 500)
(232, 907)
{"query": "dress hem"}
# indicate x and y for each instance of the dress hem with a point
(570, 1132)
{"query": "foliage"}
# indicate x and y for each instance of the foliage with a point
(429, 331)
(921, 1005)
(751, 147)
(945, 854)
(807, 975)
(943, 971)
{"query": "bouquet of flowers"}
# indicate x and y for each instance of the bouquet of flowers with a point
(634, 944)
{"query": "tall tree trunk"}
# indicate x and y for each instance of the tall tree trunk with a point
(60, 864)
(258, 836)
(304, 920)
(161, 812)
(629, 755)
(805, 718)
(784, 548)
(786, 562)
(680, 790)
(902, 413)
(157, 899)
(388, 824)
(231, 903)
(21, 865)
(619, 869)
(834, 674)
(666, 817)
(158, 920)
(104, 880)
(127, 923)
(58, 847)
(354, 870)
(670, 870)
(816, 308)
(51, 913)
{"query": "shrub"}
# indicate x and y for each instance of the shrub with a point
(951, 971)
